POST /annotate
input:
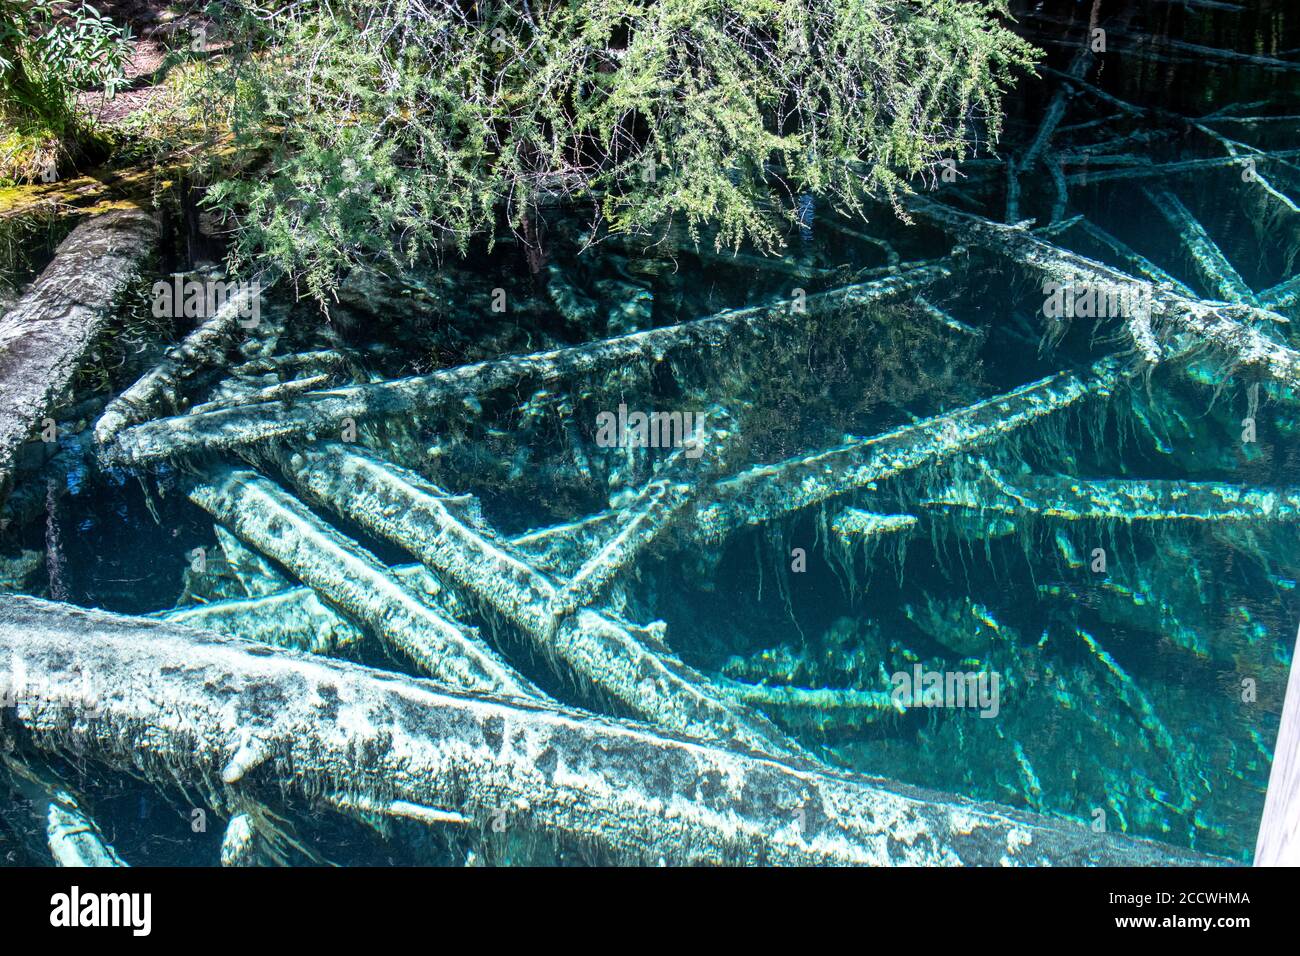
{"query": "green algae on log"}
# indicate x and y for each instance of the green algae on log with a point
(232, 719)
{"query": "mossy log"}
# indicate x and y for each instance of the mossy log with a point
(45, 336)
(600, 651)
(230, 718)
(325, 413)
(1184, 323)
(269, 519)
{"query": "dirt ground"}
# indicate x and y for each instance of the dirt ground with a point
(155, 28)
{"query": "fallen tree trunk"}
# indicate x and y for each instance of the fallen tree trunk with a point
(1188, 321)
(1164, 171)
(646, 518)
(296, 618)
(44, 337)
(230, 718)
(1284, 295)
(1128, 500)
(765, 492)
(324, 413)
(259, 512)
(604, 653)
(1215, 270)
(1139, 263)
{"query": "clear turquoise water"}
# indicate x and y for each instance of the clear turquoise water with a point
(1121, 690)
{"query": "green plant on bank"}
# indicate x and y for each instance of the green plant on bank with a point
(51, 51)
(400, 127)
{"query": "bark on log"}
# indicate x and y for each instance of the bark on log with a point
(44, 337)
(231, 717)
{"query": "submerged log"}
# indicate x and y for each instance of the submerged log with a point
(256, 575)
(1164, 171)
(297, 618)
(158, 390)
(45, 336)
(1189, 322)
(233, 718)
(67, 832)
(766, 492)
(399, 506)
(324, 413)
(259, 512)
(1139, 263)
(1284, 295)
(1128, 500)
(1215, 270)
(647, 517)
(818, 710)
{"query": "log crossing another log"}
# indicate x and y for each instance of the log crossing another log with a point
(325, 413)
(234, 719)
(273, 521)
